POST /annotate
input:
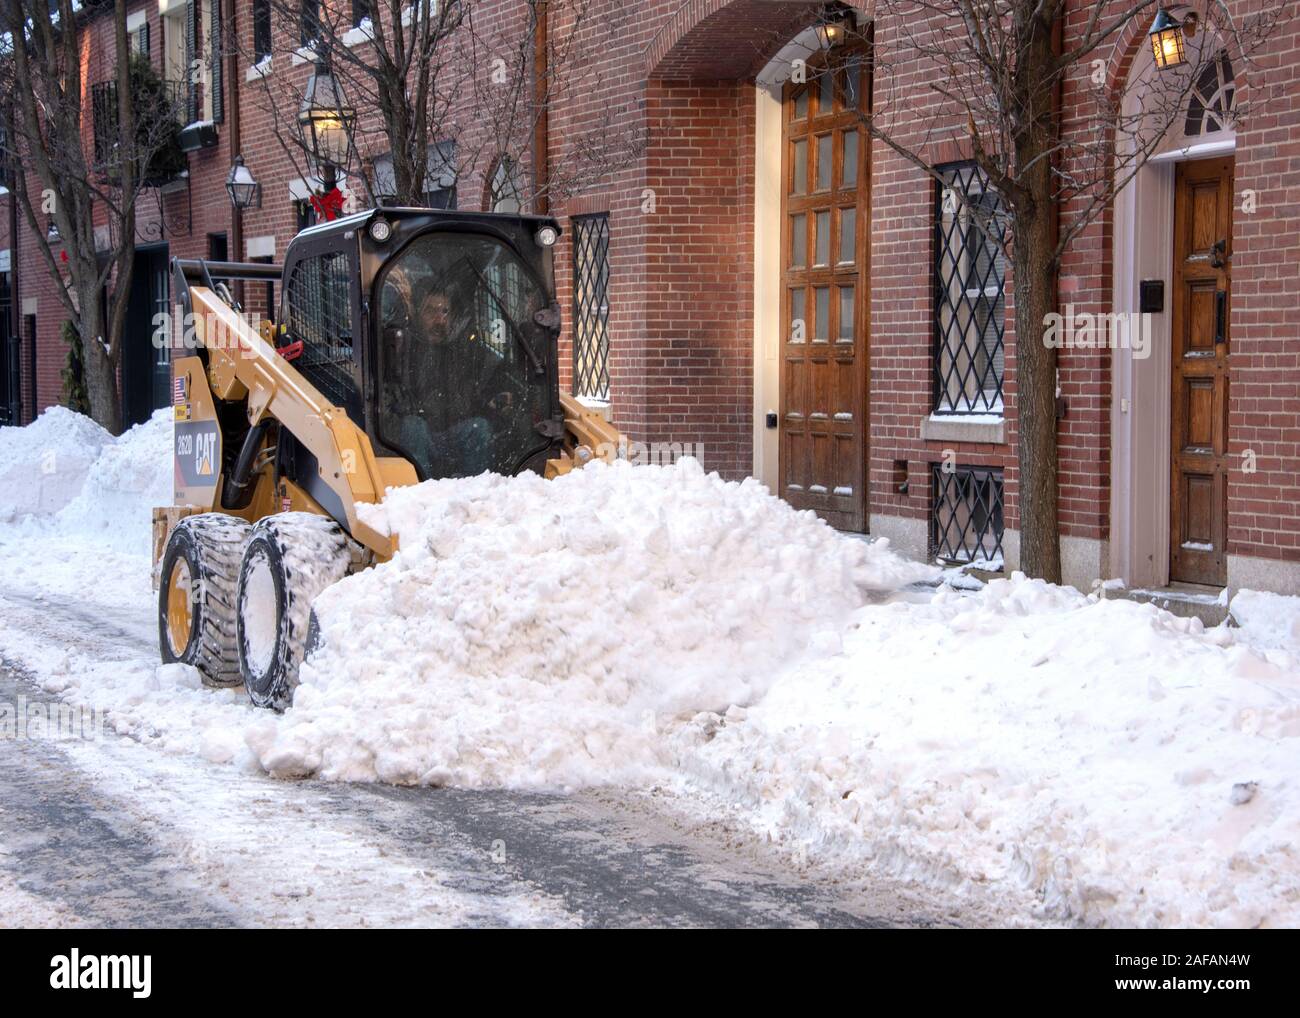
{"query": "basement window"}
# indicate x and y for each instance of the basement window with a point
(966, 520)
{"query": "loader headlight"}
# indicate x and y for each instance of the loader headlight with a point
(380, 231)
(547, 236)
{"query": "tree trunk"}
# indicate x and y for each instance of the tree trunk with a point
(1035, 289)
(101, 371)
(1040, 546)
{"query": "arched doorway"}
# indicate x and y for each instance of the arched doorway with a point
(713, 247)
(824, 288)
(1173, 241)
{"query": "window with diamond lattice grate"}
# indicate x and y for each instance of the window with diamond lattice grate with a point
(970, 293)
(966, 519)
(591, 306)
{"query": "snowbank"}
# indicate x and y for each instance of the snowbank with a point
(1103, 761)
(1268, 620)
(132, 475)
(95, 549)
(1098, 761)
(43, 465)
(542, 633)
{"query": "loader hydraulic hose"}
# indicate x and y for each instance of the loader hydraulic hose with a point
(237, 492)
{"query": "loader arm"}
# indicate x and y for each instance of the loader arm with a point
(587, 436)
(241, 363)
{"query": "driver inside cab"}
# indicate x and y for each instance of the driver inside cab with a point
(444, 383)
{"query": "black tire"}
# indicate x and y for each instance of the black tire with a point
(289, 559)
(202, 562)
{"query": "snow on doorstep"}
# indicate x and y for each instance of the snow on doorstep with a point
(43, 466)
(541, 633)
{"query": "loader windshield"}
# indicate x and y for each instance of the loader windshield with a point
(462, 362)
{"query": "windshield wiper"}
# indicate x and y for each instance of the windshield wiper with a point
(519, 336)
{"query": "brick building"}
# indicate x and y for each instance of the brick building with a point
(757, 203)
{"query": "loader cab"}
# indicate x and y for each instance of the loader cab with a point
(436, 332)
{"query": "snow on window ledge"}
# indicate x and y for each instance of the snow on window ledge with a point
(259, 70)
(596, 405)
(363, 32)
(989, 418)
(987, 427)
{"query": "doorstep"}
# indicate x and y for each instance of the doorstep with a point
(1186, 600)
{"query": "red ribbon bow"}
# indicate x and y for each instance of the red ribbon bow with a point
(329, 205)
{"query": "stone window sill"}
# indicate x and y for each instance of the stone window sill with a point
(983, 428)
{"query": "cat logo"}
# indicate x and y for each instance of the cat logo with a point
(204, 452)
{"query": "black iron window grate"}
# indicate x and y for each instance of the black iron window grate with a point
(158, 107)
(320, 316)
(104, 112)
(966, 517)
(10, 394)
(970, 293)
(591, 306)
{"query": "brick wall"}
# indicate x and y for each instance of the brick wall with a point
(681, 218)
(188, 216)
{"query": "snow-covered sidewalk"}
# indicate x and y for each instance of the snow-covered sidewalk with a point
(1094, 761)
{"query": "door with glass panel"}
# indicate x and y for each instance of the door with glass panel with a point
(824, 293)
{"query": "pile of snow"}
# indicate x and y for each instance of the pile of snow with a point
(543, 633)
(1079, 758)
(1102, 760)
(43, 465)
(131, 476)
(1268, 620)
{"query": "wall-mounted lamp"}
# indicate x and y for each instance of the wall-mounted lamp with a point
(835, 24)
(1169, 38)
(244, 191)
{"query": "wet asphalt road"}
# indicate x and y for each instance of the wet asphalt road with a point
(77, 849)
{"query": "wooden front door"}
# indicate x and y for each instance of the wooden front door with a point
(1202, 291)
(824, 298)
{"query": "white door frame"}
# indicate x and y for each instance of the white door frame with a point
(1141, 387)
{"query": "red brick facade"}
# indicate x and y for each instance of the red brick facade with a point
(683, 268)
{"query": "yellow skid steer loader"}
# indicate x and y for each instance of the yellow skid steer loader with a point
(409, 344)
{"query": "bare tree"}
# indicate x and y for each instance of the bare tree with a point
(439, 95)
(71, 179)
(997, 70)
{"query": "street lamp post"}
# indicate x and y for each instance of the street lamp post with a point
(326, 121)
